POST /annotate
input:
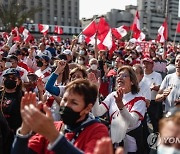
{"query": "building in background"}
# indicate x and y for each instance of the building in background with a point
(64, 13)
(152, 15)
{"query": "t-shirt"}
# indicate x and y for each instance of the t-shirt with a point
(173, 81)
(155, 78)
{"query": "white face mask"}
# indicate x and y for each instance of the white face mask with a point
(81, 62)
(8, 64)
(162, 149)
(94, 67)
(90, 57)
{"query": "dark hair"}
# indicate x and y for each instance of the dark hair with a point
(133, 78)
(76, 69)
(138, 66)
(85, 88)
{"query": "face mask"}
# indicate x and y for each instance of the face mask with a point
(91, 56)
(81, 62)
(68, 116)
(9, 84)
(81, 52)
(162, 149)
(39, 63)
(8, 64)
(94, 67)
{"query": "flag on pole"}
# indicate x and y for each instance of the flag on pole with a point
(137, 34)
(163, 32)
(43, 28)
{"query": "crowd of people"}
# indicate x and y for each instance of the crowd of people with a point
(69, 97)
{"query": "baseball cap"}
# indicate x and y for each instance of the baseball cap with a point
(10, 57)
(11, 71)
(67, 52)
(46, 58)
(147, 59)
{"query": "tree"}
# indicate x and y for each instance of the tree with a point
(15, 13)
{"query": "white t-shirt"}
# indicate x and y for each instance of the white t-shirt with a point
(155, 78)
(44, 74)
(145, 90)
(173, 81)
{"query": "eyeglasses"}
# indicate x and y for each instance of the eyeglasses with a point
(122, 75)
(172, 112)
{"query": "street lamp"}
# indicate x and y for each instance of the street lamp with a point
(29, 21)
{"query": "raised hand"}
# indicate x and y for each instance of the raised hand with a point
(40, 85)
(39, 122)
(27, 99)
(60, 67)
(92, 78)
(119, 97)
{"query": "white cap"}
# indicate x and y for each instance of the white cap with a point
(67, 52)
(133, 40)
(139, 49)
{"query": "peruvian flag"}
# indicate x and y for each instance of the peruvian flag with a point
(163, 32)
(90, 32)
(120, 31)
(15, 32)
(104, 35)
(26, 34)
(58, 30)
(178, 27)
(137, 34)
(43, 28)
(55, 38)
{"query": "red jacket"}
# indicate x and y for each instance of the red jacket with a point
(85, 141)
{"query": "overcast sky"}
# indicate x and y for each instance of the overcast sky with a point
(88, 8)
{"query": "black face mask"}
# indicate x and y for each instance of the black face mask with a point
(68, 116)
(39, 63)
(9, 84)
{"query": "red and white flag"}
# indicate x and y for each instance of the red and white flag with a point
(55, 38)
(163, 32)
(178, 27)
(104, 34)
(137, 34)
(15, 32)
(43, 28)
(26, 34)
(90, 32)
(120, 31)
(58, 30)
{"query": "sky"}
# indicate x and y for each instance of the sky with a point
(88, 8)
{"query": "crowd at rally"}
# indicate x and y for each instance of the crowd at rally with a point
(69, 97)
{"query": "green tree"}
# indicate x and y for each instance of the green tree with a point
(15, 13)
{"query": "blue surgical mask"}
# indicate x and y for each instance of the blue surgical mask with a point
(162, 149)
(81, 52)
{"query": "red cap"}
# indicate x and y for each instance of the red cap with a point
(148, 60)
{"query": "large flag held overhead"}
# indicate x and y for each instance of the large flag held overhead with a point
(55, 38)
(163, 32)
(43, 28)
(104, 34)
(137, 33)
(90, 32)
